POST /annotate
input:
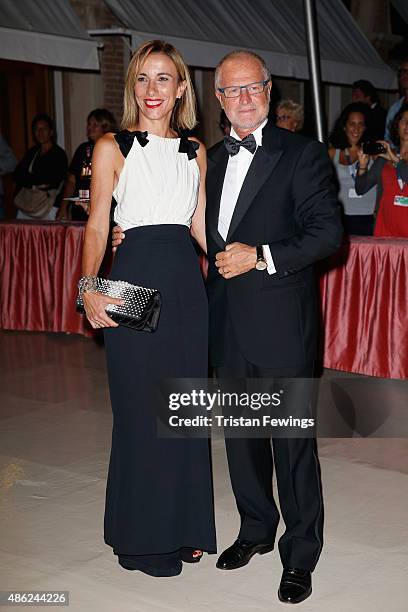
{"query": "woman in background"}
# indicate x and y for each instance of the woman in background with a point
(99, 122)
(390, 174)
(347, 140)
(289, 115)
(44, 166)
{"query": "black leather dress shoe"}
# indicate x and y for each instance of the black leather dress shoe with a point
(240, 553)
(295, 586)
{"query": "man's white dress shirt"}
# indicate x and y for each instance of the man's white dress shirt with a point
(237, 168)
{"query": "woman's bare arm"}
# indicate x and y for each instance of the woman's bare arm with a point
(97, 228)
(104, 171)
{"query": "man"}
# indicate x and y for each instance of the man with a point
(271, 213)
(365, 92)
(394, 108)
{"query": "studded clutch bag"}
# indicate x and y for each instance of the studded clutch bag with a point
(141, 308)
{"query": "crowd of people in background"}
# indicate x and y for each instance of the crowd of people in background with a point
(369, 150)
(372, 180)
(388, 176)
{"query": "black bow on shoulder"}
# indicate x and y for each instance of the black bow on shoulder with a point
(188, 146)
(232, 144)
(125, 140)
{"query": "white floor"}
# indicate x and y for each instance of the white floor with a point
(54, 443)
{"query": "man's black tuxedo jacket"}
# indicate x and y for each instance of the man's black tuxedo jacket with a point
(288, 200)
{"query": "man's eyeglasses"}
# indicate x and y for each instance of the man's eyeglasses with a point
(235, 90)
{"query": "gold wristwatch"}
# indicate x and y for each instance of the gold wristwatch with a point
(260, 259)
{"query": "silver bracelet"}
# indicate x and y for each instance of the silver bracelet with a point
(87, 283)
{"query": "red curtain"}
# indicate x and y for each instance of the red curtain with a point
(364, 298)
(40, 264)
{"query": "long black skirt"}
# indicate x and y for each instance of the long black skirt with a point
(159, 495)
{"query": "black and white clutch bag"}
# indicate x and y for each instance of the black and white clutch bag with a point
(141, 308)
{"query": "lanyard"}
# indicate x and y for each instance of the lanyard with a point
(401, 182)
(351, 167)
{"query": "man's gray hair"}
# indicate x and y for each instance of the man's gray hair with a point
(237, 53)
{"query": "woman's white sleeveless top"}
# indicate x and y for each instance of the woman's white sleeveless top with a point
(159, 181)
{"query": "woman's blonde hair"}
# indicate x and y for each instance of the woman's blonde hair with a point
(184, 113)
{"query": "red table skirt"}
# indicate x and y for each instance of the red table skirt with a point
(364, 297)
(364, 294)
(40, 264)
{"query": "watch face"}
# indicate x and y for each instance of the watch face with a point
(261, 264)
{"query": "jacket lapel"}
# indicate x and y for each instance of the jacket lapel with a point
(262, 166)
(217, 165)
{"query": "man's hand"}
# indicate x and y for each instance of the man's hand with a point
(237, 259)
(117, 237)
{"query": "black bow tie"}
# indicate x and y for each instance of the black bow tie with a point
(232, 144)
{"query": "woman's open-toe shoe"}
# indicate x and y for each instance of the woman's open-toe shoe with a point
(191, 555)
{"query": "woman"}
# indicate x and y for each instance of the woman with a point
(99, 122)
(289, 115)
(159, 508)
(347, 138)
(44, 166)
(390, 173)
